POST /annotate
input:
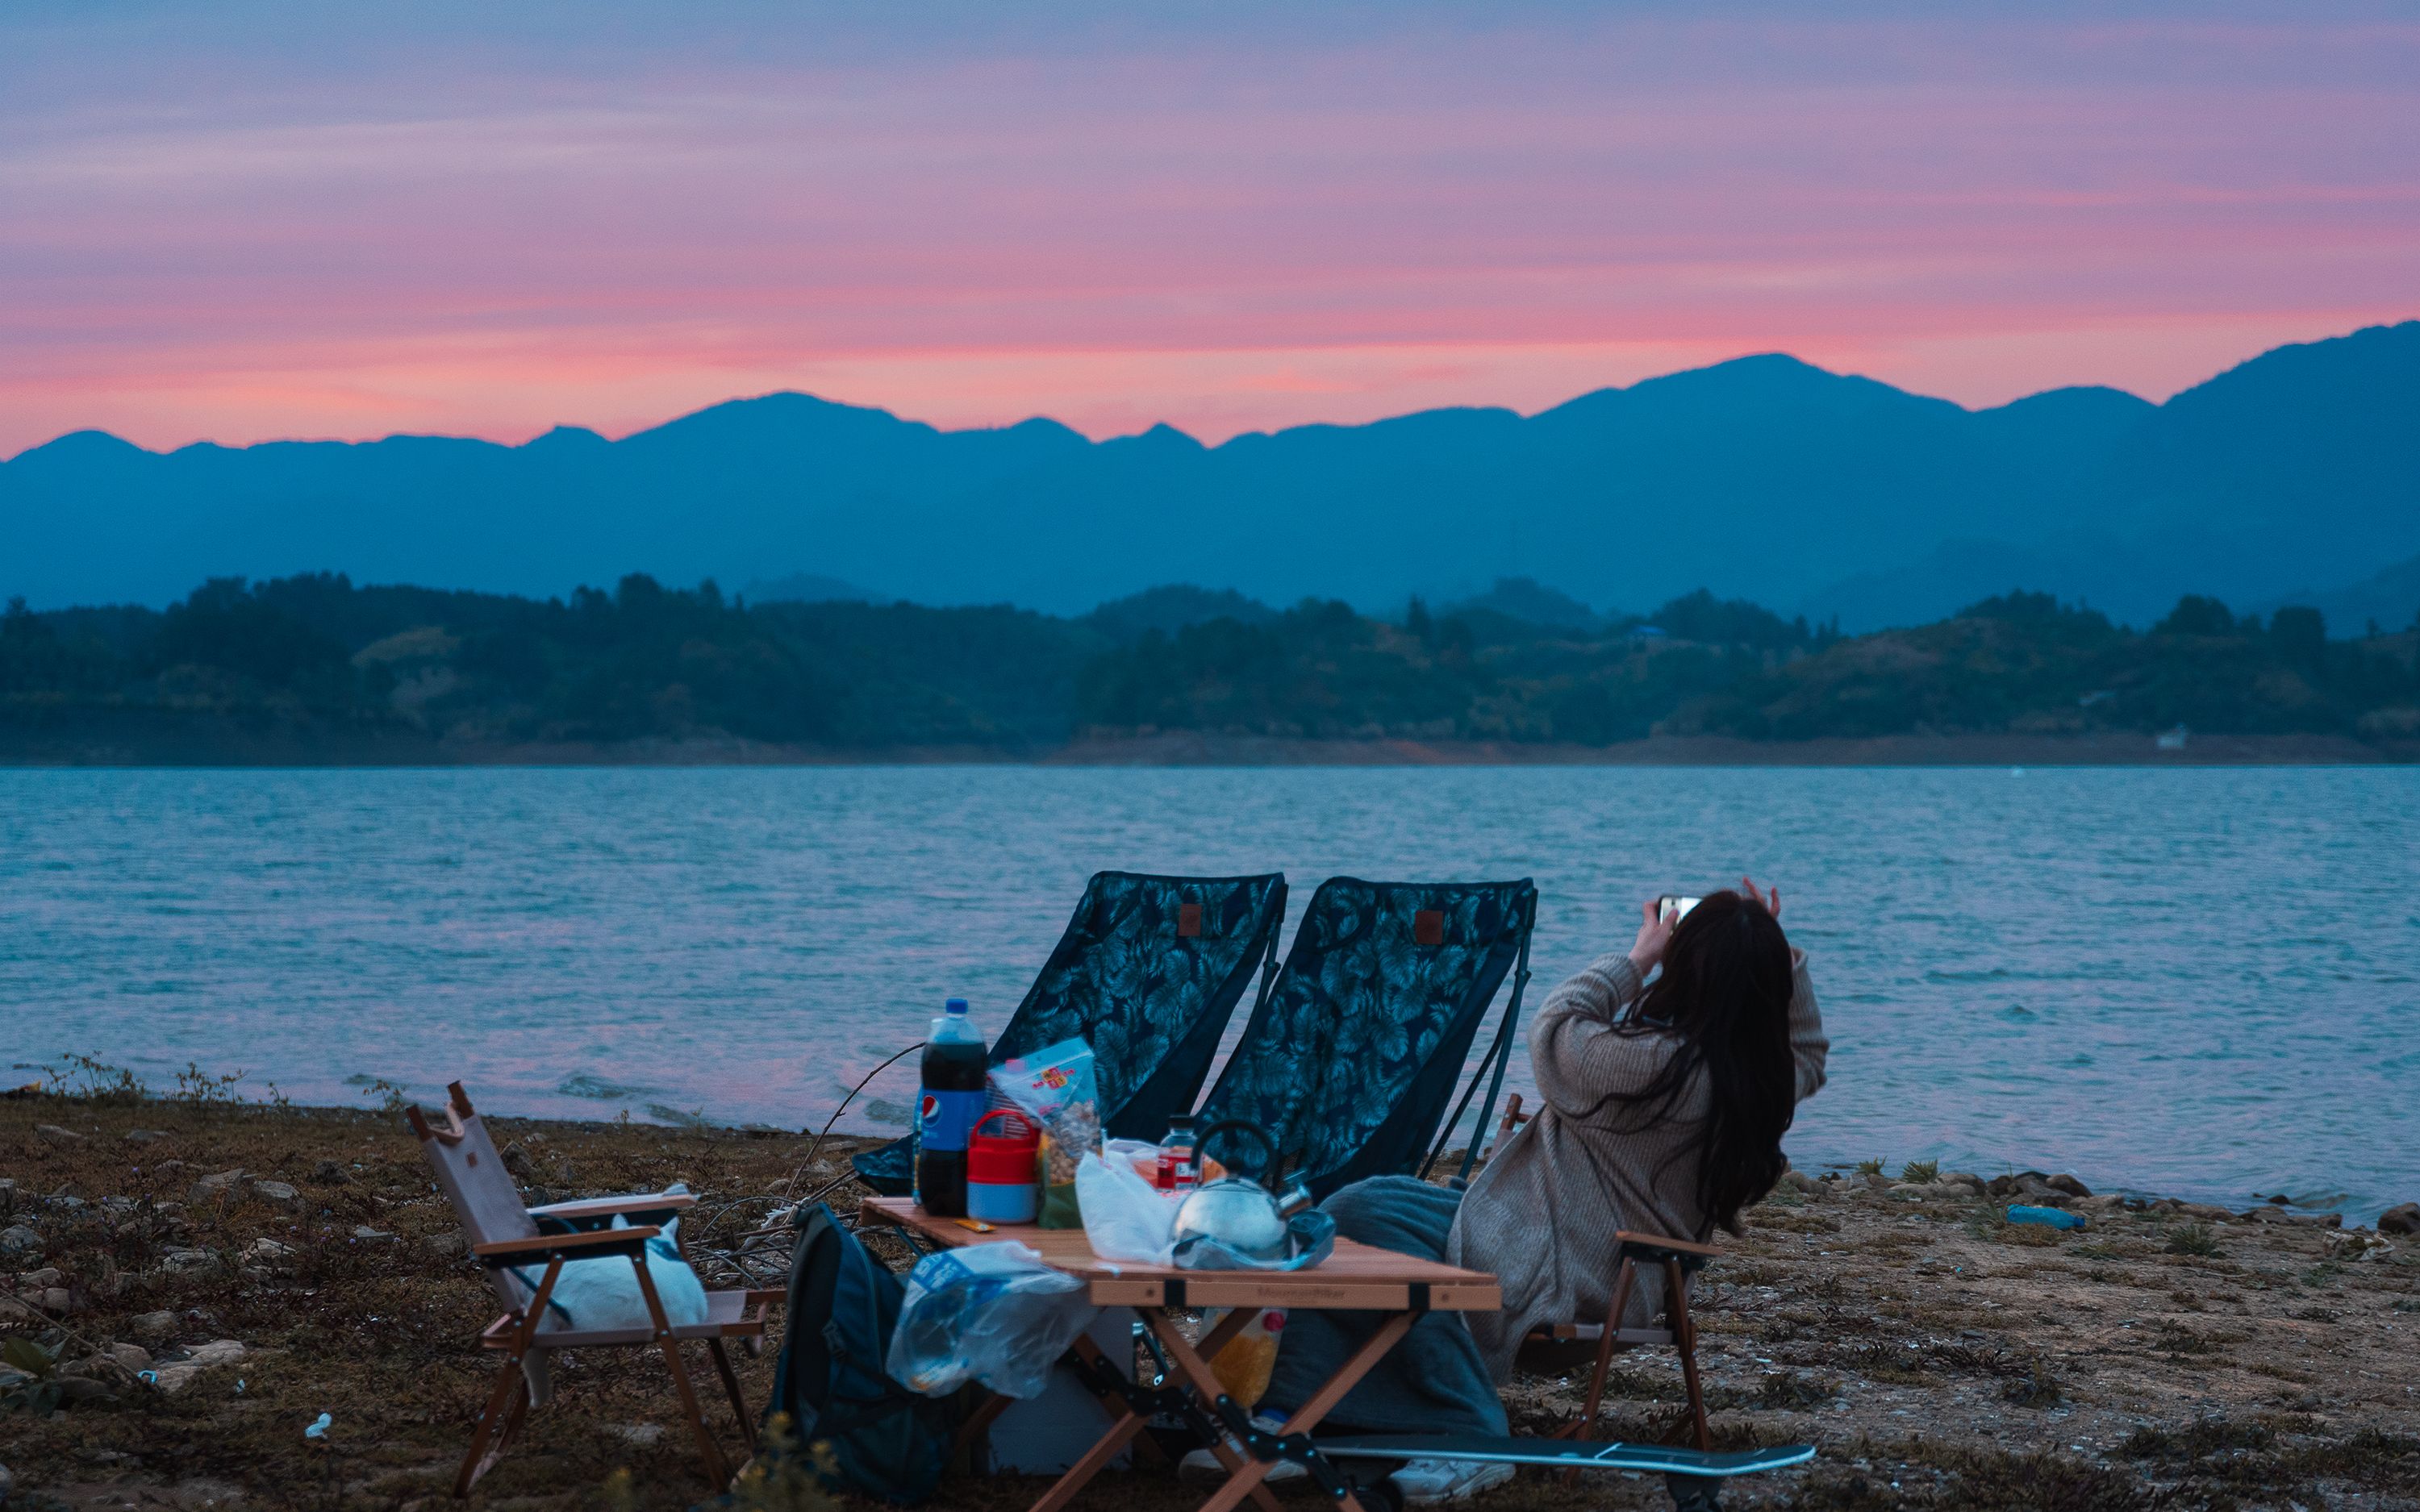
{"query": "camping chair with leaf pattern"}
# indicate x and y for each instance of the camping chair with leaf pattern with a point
(1148, 972)
(1350, 1059)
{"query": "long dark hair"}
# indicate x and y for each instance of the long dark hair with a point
(1725, 994)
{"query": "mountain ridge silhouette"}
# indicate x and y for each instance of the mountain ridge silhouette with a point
(1762, 477)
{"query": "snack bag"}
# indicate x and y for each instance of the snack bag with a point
(1243, 1365)
(1056, 1088)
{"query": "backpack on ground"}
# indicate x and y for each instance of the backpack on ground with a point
(883, 1439)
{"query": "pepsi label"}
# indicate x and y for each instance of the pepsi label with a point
(947, 1118)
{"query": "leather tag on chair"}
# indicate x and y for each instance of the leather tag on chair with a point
(1428, 926)
(1188, 920)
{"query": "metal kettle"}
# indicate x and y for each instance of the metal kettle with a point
(1237, 1211)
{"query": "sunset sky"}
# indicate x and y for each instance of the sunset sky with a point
(238, 220)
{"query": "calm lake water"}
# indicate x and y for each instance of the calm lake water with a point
(2199, 982)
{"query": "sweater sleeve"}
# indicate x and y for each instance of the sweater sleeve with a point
(1808, 1046)
(1573, 1051)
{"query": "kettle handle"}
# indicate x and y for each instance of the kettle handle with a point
(1269, 1146)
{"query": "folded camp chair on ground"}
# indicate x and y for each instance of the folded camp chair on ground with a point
(1148, 974)
(1349, 1061)
(512, 1240)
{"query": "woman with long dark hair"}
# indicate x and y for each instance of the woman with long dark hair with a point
(1666, 1101)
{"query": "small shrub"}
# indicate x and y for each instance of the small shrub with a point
(1920, 1171)
(2178, 1340)
(2035, 1388)
(2193, 1239)
(1793, 1391)
(198, 1089)
(89, 1080)
(390, 1095)
(1894, 1363)
(1870, 1167)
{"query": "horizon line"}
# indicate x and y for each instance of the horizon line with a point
(1768, 354)
(1147, 430)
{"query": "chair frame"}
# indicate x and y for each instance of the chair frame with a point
(517, 1334)
(1680, 1260)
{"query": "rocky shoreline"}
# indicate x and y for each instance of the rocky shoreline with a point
(184, 1286)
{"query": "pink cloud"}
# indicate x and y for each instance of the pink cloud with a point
(1223, 230)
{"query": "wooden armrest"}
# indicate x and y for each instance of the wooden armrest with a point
(613, 1207)
(1658, 1247)
(570, 1247)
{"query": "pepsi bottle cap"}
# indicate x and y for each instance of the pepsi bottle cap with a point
(955, 1005)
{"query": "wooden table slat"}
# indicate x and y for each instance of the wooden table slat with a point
(1355, 1276)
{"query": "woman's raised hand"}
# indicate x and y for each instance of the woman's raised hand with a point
(1655, 933)
(1771, 901)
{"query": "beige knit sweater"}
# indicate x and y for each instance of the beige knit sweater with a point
(1541, 1215)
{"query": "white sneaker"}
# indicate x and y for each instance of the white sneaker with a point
(1427, 1482)
(1201, 1464)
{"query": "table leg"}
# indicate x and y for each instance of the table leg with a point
(1192, 1362)
(1096, 1459)
(978, 1421)
(1127, 1424)
(1246, 1480)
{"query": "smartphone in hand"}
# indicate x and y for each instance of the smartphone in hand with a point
(1674, 908)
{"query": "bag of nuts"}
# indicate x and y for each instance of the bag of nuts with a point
(1056, 1088)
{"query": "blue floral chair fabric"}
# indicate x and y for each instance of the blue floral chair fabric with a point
(1350, 1060)
(1148, 974)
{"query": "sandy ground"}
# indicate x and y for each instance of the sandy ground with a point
(1939, 1357)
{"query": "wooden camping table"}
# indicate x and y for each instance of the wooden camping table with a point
(1358, 1277)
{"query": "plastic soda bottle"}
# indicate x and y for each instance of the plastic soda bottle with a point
(1180, 1159)
(955, 1073)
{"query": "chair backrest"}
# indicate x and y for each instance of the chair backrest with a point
(1148, 972)
(473, 1179)
(1351, 1060)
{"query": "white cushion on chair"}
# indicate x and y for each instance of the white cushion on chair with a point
(602, 1294)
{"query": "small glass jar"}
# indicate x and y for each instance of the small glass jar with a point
(1180, 1158)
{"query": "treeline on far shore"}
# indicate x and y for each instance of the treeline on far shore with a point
(316, 662)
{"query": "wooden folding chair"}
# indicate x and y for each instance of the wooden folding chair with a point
(506, 1238)
(1556, 1347)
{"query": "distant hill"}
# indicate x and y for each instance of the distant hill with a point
(2390, 600)
(803, 588)
(316, 670)
(1764, 478)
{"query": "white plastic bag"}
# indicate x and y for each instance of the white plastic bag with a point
(1126, 1217)
(992, 1313)
(1141, 1158)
